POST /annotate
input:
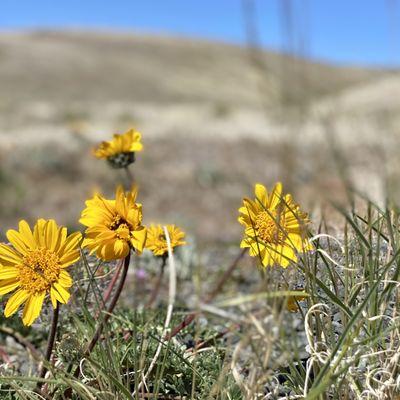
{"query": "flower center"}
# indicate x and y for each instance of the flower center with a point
(121, 228)
(40, 269)
(121, 160)
(269, 227)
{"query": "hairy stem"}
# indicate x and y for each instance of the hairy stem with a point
(130, 177)
(113, 281)
(109, 311)
(111, 306)
(50, 344)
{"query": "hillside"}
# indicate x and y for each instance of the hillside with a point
(215, 119)
(87, 66)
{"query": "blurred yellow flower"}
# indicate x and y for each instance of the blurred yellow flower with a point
(35, 266)
(292, 301)
(120, 151)
(157, 242)
(113, 226)
(275, 228)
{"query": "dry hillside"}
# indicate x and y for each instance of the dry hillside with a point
(215, 118)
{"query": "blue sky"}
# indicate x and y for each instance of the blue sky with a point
(352, 31)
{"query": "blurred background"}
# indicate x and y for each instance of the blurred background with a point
(226, 93)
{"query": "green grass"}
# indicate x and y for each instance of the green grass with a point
(342, 344)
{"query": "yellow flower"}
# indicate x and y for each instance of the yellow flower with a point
(275, 228)
(120, 151)
(35, 266)
(113, 226)
(157, 242)
(292, 301)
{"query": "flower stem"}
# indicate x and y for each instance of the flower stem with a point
(157, 285)
(50, 344)
(111, 306)
(130, 176)
(226, 275)
(109, 311)
(113, 281)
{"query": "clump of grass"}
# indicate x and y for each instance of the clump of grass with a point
(344, 342)
(126, 348)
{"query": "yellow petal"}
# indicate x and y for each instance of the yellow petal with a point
(9, 256)
(104, 236)
(106, 252)
(15, 301)
(261, 195)
(139, 239)
(8, 272)
(295, 241)
(292, 305)
(32, 308)
(244, 243)
(27, 234)
(69, 258)
(51, 234)
(289, 253)
(136, 147)
(267, 260)
(257, 250)
(53, 297)
(121, 248)
(60, 293)
(71, 243)
(89, 220)
(8, 285)
(38, 232)
(276, 196)
(120, 203)
(251, 208)
(62, 238)
(90, 244)
(65, 279)
(282, 255)
(16, 239)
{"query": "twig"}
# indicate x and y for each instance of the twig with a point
(4, 356)
(225, 277)
(201, 344)
(187, 321)
(22, 341)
